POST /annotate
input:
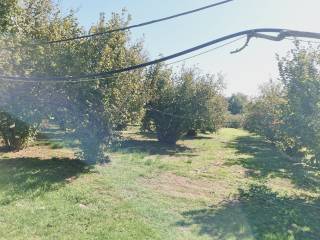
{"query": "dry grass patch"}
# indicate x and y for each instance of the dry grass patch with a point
(182, 187)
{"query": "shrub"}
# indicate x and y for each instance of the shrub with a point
(234, 121)
(187, 101)
(164, 111)
(300, 76)
(237, 103)
(15, 133)
(267, 115)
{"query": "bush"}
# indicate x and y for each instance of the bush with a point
(237, 103)
(188, 101)
(300, 75)
(267, 115)
(15, 133)
(163, 113)
(234, 121)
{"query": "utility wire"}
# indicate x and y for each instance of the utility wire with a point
(131, 26)
(257, 33)
(97, 79)
(302, 40)
(205, 52)
(163, 59)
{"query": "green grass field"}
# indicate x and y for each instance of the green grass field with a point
(230, 185)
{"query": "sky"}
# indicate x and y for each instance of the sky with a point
(244, 72)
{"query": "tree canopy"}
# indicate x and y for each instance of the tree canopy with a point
(7, 8)
(93, 109)
(237, 103)
(287, 113)
(182, 102)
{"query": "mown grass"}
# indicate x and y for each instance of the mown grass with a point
(230, 185)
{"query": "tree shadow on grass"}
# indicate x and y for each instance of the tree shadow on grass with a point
(198, 137)
(152, 147)
(263, 160)
(152, 135)
(22, 178)
(53, 135)
(259, 213)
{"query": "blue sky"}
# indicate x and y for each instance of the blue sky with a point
(245, 71)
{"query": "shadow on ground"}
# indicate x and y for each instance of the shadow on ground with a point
(53, 135)
(30, 177)
(259, 213)
(263, 160)
(152, 135)
(152, 147)
(198, 137)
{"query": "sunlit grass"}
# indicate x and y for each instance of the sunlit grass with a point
(229, 185)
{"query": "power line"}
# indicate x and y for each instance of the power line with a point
(302, 40)
(97, 79)
(163, 59)
(205, 52)
(258, 33)
(131, 26)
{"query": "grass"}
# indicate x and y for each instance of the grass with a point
(230, 185)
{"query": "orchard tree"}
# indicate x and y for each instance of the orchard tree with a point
(92, 109)
(237, 103)
(208, 104)
(300, 75)
(183, 102)
(267, 115)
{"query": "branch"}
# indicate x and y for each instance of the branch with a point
(249, 36)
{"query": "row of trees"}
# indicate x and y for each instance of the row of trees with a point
(169, 103)
(287, 112)
(89, 108)
(94, 110)
(237, 107)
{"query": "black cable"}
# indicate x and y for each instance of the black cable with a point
(205, 52)
(97, 79)
(256, 32)
(146, 64)
(132, 26)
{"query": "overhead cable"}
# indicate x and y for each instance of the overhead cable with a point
(253, 33)
(129, 27)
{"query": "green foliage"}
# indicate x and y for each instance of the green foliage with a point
(92, 110)
(234, 121)
(7, 7)
(300, 76)
(237, 103)
(184, 102)
(208, 104)
(15, 133)
(288, 113)
(266, 115)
